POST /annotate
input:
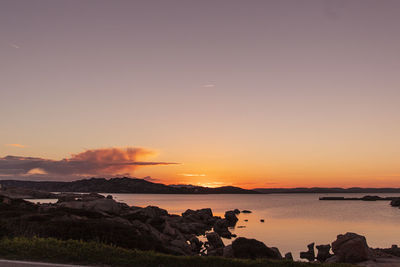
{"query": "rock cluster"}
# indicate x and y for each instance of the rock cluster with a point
(95, 217)
(350, 248)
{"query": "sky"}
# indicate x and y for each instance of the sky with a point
(223, 92)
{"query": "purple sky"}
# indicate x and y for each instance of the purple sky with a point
(239, 92)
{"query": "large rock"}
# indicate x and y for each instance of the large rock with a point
(351, 248)
(309, 254)
(252, 248)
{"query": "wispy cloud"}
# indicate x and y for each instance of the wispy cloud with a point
(193, 175)
(14, 45)
(95, 162)
(209, 85)
(15, 145)
(213, 184)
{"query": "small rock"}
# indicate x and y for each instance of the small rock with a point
(262, 220)
(246, 211)
(310, 254)
(323, 252)
(395, 202)
(289, 256)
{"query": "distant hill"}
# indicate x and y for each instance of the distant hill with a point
(304, 190)
(141, 186)
(121, 185)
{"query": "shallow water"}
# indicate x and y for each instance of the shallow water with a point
(291, 220)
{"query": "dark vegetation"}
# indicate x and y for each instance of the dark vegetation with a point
(80, 252)
(133, 185)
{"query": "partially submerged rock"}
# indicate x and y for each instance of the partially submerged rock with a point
(246, 211)
(395, 202)
(221, 227)
(231, 218)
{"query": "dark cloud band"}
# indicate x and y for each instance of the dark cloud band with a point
(106, 161)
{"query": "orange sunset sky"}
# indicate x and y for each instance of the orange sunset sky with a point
(244, 93)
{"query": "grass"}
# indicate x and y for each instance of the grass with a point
(93, 253)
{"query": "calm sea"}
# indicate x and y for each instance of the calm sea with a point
(291, 220)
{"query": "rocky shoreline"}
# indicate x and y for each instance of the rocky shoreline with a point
(95, 217)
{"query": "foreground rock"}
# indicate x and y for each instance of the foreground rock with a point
(214, 245)
(289, 256)
(230, 217)
(323, 252)
(92, 216)
(347, 248)
(252, 249)
(351, 248)
(221, 227)
(309, 254)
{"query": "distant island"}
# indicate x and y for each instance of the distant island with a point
(121, 185)
(141, 186)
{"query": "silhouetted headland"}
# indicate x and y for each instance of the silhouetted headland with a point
(141, 186)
